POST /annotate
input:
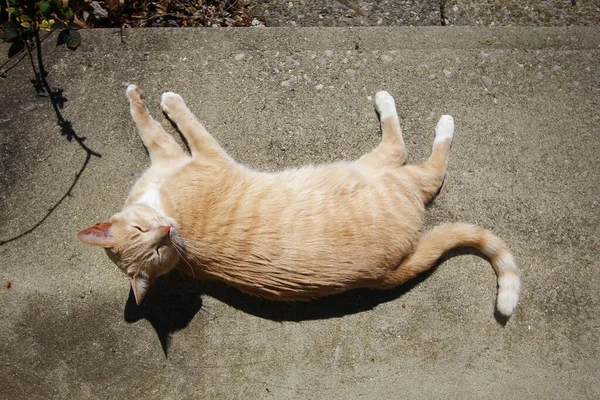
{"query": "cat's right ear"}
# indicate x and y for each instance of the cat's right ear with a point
(98, 235)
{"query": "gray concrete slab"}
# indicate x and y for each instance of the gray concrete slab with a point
(521, 12)
(348, 12)
(524, 163)
(427, 13)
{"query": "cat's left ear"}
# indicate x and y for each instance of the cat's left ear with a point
(140, 285)
(98, 235)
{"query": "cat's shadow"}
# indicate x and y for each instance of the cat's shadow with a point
(175, 299)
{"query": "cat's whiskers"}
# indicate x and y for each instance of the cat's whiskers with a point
(175, 246)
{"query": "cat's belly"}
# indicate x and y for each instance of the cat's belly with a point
(290, 246)
(298, 234)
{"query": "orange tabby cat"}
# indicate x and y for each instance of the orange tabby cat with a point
(298, 234)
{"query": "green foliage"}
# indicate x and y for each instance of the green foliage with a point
(28, 17)
(22, 20)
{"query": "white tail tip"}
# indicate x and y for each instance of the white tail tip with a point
(508, 294)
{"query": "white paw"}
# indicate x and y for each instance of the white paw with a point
(133, 93)
(169, 101)
(445, 128)
(131, 88)
(385, 105)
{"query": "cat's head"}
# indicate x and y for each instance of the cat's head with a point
(140, 241)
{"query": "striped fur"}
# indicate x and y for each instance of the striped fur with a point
(298, 234)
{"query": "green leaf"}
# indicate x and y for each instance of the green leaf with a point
(70, 37)
(15, 48)
(45, 8)
(62, 37)
(74, 39)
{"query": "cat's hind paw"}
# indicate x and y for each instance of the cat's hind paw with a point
(445, 128)
(170, 101)
(385, 105)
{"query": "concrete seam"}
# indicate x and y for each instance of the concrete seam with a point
(442, 4)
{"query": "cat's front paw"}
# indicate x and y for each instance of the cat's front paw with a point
(445, 128)
(170, 101)
(134, 94)
(385, 105)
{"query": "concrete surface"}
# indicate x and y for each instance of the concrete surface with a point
(427, 13)
(522, 12)
(347, 12)
(524, 163)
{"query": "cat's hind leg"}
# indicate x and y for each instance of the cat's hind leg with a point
(161, 146)
(429, 176)
(391, 152)
(433, 244)
(201, 143)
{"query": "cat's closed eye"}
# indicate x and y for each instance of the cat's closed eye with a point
(139, 228)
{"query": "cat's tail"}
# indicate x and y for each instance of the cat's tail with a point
(433, 244)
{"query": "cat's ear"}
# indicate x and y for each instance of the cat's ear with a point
(140, 285)
(98, 235)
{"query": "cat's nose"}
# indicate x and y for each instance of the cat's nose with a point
(165, 230)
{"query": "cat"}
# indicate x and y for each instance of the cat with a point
(298, 234)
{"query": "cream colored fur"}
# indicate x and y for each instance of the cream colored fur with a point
(293, 235)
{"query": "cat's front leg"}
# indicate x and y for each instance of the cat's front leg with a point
(201, 143)
(161, 146)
